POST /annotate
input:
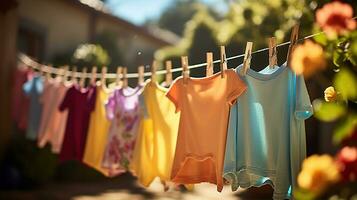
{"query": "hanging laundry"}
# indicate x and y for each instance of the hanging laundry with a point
(124, 112)
(266, 134)
(79, 103)
(33, 89)
(20, 102)
(53, 122)
(157, 135)
(204, 104)
(97, 132)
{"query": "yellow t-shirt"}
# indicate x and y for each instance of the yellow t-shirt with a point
(97, 132)
(156, 142)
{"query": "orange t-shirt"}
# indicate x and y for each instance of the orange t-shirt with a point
(204, 104)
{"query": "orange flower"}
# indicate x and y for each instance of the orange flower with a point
(307, 59)
(335, 18)
(318, 173)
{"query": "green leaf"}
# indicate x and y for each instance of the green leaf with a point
(321, 39)
(338, 58)
(346, 84)
(301, 194)
(328, 112)
(352, 53)
(345, 129)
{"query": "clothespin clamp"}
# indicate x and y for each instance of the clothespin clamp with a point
(125, 79)
(103, 76)
(273, 60)
(168, 77)
(47, 71)
(118, 76)
(223, 63)
(293, 40)
(247, 57)
(83, 77)
(65, 74)
(153, 71)
(74, 74)
(141, 71)
(185, 70)
(59, 73)
(209, 60)
(93, 75)
(41, 69)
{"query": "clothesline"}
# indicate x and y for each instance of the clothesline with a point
(52, 70)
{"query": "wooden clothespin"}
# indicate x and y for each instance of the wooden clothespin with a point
(118, 76)
(185, 70)
(74, 73)
(93, 77)
(247, 57)
(141, 78)
(293, 40)
(273, 59)
(153, 71)
(168, 77)
(125, 79)
(61, 73)
(103, 76)
(209, 60)
(223, 63)
(83, 77)
(47, 70)
(41, 69)
(65, 74)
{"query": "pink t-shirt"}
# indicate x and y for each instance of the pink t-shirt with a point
(53, 122)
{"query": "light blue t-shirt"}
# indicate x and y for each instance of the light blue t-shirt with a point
(266, 133)
(33, 89)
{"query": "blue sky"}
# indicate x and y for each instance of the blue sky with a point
(138, 11)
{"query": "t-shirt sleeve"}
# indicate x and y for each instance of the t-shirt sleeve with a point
(110, 107)
(66, 101)
(142, 106)
(92, 99)
(236, 87)
(303, 107)
(27, 87)
(174, 94)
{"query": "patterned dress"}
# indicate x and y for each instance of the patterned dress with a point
(124, 112)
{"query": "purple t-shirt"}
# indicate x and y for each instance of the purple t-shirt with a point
(80, 103)
(123, 110)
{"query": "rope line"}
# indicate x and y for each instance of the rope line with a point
(48, 69)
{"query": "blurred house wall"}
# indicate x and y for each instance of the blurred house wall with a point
(61, 25)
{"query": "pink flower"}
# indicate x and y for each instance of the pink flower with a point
(347, 162)
(114, 153)
(335, 18)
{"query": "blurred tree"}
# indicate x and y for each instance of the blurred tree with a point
(253, 20)
(107, 40)
(177, 15)
(104, 52)
(89, 55)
